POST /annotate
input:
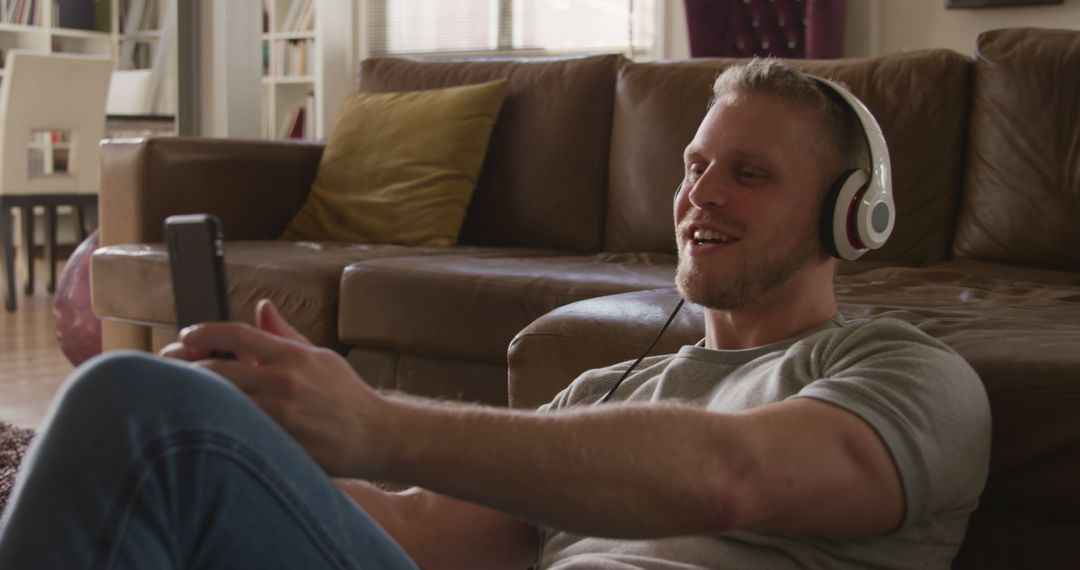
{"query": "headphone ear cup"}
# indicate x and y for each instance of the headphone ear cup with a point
(838, 233)
(828, 214)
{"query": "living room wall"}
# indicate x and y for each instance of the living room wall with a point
(876, 27)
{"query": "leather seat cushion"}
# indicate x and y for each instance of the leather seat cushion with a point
(302, 278)
(470, 308)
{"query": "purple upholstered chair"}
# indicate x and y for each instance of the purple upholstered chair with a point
(782, 28)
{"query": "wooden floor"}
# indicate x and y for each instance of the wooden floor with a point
(31, 364)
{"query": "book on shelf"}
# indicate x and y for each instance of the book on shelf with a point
(25, 12)
(103, 15)
(60, 160)
(301, 123)
(294, 127)
(298, 17)
(266, 58)
(146, 13)
(150, 16)
(36, 162)
(293, 57)
(75, 14)
(48, 138)
(307, 18)
(44, 161)
(267, 121)
(285, 23)
(309, 114)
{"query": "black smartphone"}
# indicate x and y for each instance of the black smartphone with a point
(197, 264)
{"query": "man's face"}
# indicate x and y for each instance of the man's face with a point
(747, 215)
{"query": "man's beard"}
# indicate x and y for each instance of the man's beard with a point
(753, 280)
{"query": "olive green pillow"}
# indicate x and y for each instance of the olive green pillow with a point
(400, 168)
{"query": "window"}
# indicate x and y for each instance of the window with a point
(514, 27)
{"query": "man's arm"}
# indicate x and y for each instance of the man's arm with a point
(799, 466)
(639, 471)
(442, 532)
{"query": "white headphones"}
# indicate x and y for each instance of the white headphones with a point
(859, 213)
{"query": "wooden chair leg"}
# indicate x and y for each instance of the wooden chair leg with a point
(80, 223)
(7, 243)
(50, 246)
(95, 217)
(28, 246)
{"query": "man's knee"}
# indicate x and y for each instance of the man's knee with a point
(125, 381)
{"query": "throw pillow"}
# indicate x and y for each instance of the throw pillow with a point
(400, 168)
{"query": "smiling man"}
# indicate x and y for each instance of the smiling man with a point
(748, 214)
(787, 438)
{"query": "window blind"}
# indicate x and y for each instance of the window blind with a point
(513, 27)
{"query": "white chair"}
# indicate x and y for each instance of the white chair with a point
(52, 120)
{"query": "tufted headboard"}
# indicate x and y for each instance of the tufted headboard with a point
(811, 29)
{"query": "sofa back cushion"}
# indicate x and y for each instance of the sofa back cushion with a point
(545, 174)
(920, 99)
(400, 167)
(1022, 190)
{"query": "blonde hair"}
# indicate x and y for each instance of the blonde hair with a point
(842, 133)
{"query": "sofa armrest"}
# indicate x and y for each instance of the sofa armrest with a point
(550, 353)
(254, 187)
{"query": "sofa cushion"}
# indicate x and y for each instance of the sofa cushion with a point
(548, 153)
(920, 99)
(131, 282)
(469, 308)
(401, 167)
(1021, 195)
(431, 377)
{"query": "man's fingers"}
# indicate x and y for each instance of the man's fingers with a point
(178, 351)
(237, 338)
(244, 375)
(270, 320)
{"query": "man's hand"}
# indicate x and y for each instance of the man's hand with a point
(317, 397)
(312, 392)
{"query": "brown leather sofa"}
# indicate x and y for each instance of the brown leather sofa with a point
(569, 241)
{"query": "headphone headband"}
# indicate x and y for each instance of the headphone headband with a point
(860, 213)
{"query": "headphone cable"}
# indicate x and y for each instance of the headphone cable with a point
(643, 354)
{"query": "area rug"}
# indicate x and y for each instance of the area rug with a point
(13, 442)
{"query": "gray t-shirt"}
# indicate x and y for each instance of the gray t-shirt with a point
(925, 402)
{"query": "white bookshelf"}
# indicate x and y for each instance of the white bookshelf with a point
(307, 56)
(133, 43)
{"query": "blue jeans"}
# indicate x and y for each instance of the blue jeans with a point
(147, 463)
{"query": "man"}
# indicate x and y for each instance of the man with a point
(787, 438)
